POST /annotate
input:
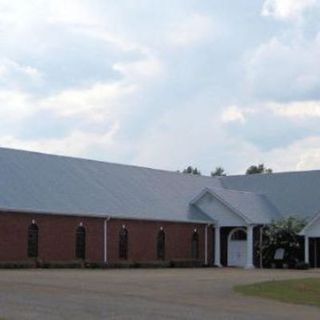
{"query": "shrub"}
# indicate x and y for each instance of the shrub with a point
(302, 266)
(283, 233)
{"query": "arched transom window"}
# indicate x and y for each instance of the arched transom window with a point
(239, 235)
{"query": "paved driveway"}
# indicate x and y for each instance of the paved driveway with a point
(142, 294)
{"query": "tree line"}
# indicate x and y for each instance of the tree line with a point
(220, 171)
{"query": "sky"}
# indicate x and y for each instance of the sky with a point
(163, 84)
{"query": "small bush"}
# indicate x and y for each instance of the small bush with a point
(186, 263)
(95, 265)
(61, 265)
(17, 265)
(302, 266)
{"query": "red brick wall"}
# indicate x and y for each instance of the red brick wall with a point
(142, 236)
(57, 238)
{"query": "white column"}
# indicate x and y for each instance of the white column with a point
(306, 249)
(217, 253)
(249, 264)
(206, 245)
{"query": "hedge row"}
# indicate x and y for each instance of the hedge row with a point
(99, 265)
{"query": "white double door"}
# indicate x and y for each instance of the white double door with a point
(237, 253)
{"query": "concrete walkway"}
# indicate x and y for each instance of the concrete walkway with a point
(143, 294)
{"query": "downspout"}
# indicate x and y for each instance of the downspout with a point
(105, 240)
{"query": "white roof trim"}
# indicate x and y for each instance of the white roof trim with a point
(310, 223)
(227, 204)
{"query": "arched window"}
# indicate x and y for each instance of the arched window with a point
(123, 243)
(33, 236)
(161, 243)
(239, 235)
(81, 242)
(195, 245)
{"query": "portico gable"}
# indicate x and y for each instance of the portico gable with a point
(219, 210)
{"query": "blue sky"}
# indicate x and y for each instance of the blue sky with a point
(164, 84)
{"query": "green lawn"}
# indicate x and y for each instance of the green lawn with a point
(299, 291)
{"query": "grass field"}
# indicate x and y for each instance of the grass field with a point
(298, 291)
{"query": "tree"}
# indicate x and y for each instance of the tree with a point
(191, 170)
(284, 234)
(219, 171)
(260, 168)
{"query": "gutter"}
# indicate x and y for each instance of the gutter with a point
(102, 216)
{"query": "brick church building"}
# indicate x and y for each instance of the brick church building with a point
(59, 210)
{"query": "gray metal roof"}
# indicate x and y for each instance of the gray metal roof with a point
(252, 207)
(38, 182)
(293, 193)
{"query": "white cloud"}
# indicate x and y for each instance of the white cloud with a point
(12, 72)
(303, 154)
(194, 29)
(280, 71)
(146, 82)
(95, 103)
(186, 137)
(98, 103)
(148, 68)
(15, 106)
(297, 110)
(309, 160)
(233, 114)
(287, 9)
(77, 143)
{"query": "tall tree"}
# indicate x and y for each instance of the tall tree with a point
(191, 170)
(219, 171)
(260, 168)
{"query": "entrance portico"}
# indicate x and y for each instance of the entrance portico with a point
(228, 209)
(239, 245)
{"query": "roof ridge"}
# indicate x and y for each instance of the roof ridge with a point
(109, 163)
(238, 191)
(220, 178)
(269, 174)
